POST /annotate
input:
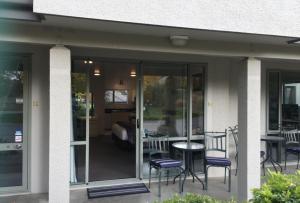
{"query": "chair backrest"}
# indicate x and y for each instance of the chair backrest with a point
(157, 144)
(291, 137)
(216, 141)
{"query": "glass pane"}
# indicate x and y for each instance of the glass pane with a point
(79, 103)
(273, 100)
(197, 100)
(11, 163)
(11, 121)
(77, 164)
(164, 107)
(291, 100)
(165, 100)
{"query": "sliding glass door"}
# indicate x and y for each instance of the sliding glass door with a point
(115, 105)
(13, 123)
(163, 104)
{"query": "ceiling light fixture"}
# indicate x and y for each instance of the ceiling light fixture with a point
(97, 72)
(294, 41)
(89, 61)
(132, 73)
(179, 40)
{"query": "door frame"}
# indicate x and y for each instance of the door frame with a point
(139, 117)
(26, 59)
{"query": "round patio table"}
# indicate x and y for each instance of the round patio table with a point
(269, 141)
(188, 149)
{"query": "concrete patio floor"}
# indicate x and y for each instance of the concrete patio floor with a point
(216, 188)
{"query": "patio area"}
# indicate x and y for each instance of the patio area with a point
(216, 189)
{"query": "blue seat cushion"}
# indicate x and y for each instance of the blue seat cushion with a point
(293, 149)
(218, 161)
(165, 163)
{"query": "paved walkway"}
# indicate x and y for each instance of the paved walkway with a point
(216, 189)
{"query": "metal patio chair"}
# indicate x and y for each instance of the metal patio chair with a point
(235, 134)
(159, 158)
(292, 144)
(217, 142)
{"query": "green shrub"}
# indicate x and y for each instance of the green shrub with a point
(279, 188)
(194, 198)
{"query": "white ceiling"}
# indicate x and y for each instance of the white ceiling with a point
(160, 31)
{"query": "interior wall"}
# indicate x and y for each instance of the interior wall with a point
(114, 76)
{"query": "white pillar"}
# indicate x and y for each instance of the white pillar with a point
(59, 126)
(249, 128)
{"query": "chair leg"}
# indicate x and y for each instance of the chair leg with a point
(193, 166)
(285, 160)
(206, 178)
(168, 177)
(298, 160)
(180, 187)
(159, 180)
(229, 177)
(150, 176)
(237, 163)
(225, 176)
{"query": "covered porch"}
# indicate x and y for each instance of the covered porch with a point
(236, 93)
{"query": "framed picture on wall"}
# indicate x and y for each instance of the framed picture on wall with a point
(121, 96)
(116, 96)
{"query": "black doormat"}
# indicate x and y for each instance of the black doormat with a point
(117, 190)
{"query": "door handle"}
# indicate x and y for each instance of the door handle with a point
(18, 146)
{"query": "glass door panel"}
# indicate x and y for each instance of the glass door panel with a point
(12, 123)
(164, 103)
(290, 100)
(78, 149)
(197, 97)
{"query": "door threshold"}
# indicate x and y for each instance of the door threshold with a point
(14, 193)
(106, 183)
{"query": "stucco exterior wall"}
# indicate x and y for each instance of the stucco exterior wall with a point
(268, 17)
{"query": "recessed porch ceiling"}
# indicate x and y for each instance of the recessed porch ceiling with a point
(162, 31)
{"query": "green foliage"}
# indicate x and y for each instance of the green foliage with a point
(194, 198)
(279, 188)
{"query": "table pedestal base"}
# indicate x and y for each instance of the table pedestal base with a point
(187, 171)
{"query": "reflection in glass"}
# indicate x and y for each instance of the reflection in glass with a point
(77, 173)
(290, 106)
(273, 100)
(165, 101)
(164, 107)
(11, 121)
(79, 105)
(197, 100)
